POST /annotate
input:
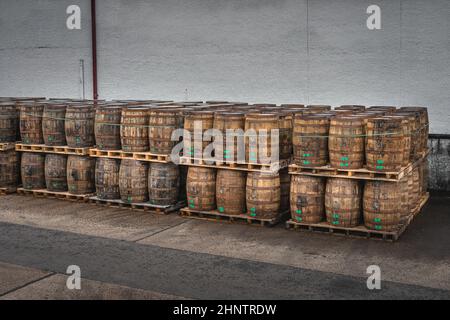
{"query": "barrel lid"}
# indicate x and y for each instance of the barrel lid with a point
(350, 107)
(319, 106)
(230, 114)
(262, 115)
(414, 108)
(293, 105)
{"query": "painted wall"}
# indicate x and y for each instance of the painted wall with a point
(246, 50)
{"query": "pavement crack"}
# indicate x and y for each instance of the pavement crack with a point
(157, 232)
(28, 283)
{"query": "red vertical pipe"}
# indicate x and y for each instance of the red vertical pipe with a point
(94, 50)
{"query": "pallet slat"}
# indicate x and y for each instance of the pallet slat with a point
(359, 174)
(6, 191)
(147, 207)
(7, 146)
(214, 215)
(254, 167)
(359, 231)
(40, 148)
(44, 193)
(119, 154)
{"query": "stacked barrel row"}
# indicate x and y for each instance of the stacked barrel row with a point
(378, 205)
(257, 194)
(352, 137)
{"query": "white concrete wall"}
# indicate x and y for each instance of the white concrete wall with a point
(247, 50)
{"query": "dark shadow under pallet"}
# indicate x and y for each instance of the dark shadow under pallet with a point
(40, 148)
(360, 174)
(146, 207)
(359, 231)
(44, 193)
(120, 154)
(6, 191)
(216, 216)
(254, 167)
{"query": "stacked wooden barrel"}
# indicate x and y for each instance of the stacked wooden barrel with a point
(260, 144)
(53, 124)
(56, 172)
(9, 122)
(80, 175)
(33, 170)
(231, 125)
(343, 202)
(107, 178)
(163, 184)
(9, 169)
(107, 127)
(79, 126)
(134, 129)
(195, 141)
(263, 195)
(133, 181)
(163, 122)
(230, 191)
(201, 188)
(31, 122)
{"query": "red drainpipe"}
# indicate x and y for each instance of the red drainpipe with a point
(94, 50)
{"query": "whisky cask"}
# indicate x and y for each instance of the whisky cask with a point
(163, 122)
(56, 172)
(201, 188)
(134, 129)
(307, 199)
(80, 175)
(260, 146)
(33, 170)
(107, 178)
(194, 140)
(9, 122)
(233, 139)
(53, 124)
(31, 122)
(230, 191)
(133, 181)
(263, 195)
(343, 202)
(9, 169)
(163, 183)
(107, 127)
(79, 126)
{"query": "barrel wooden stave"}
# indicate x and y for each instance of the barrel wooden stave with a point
(80, 175)
(107, 178)
(230, 191)
(56, 172)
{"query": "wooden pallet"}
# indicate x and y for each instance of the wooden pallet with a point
(119, 154)
(360, 174)
(216, 216)
(254, 167)
(40, 148)
(44, 193)
(6, 191)
(359, 231)
(5, 146)
(147, 207)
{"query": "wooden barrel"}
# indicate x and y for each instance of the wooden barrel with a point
(31, 123)
(163, 122)
(351, 107)
(285, 135)
(310, 140)
(413, 134)
(56, 172)
(194, 141)
(406, 126)
(381, 205)
(80, 174)
(384, 144)
(234, 122)
(32, 170)
(343, 202)
(259, 145)
(201, 188)
(53, 124)
(163, 183)
(405, 207)
(285, 186)
(387, 109)
(424, 127)
(79, 126)
(107, 178)
(346, 142)
(9, 169)
(230, 191)
(134, 129)
(263, 195)
(414, 187)
(318, 107)
(133, 181)
(9, 122)
(307, 199)
(107, 127)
